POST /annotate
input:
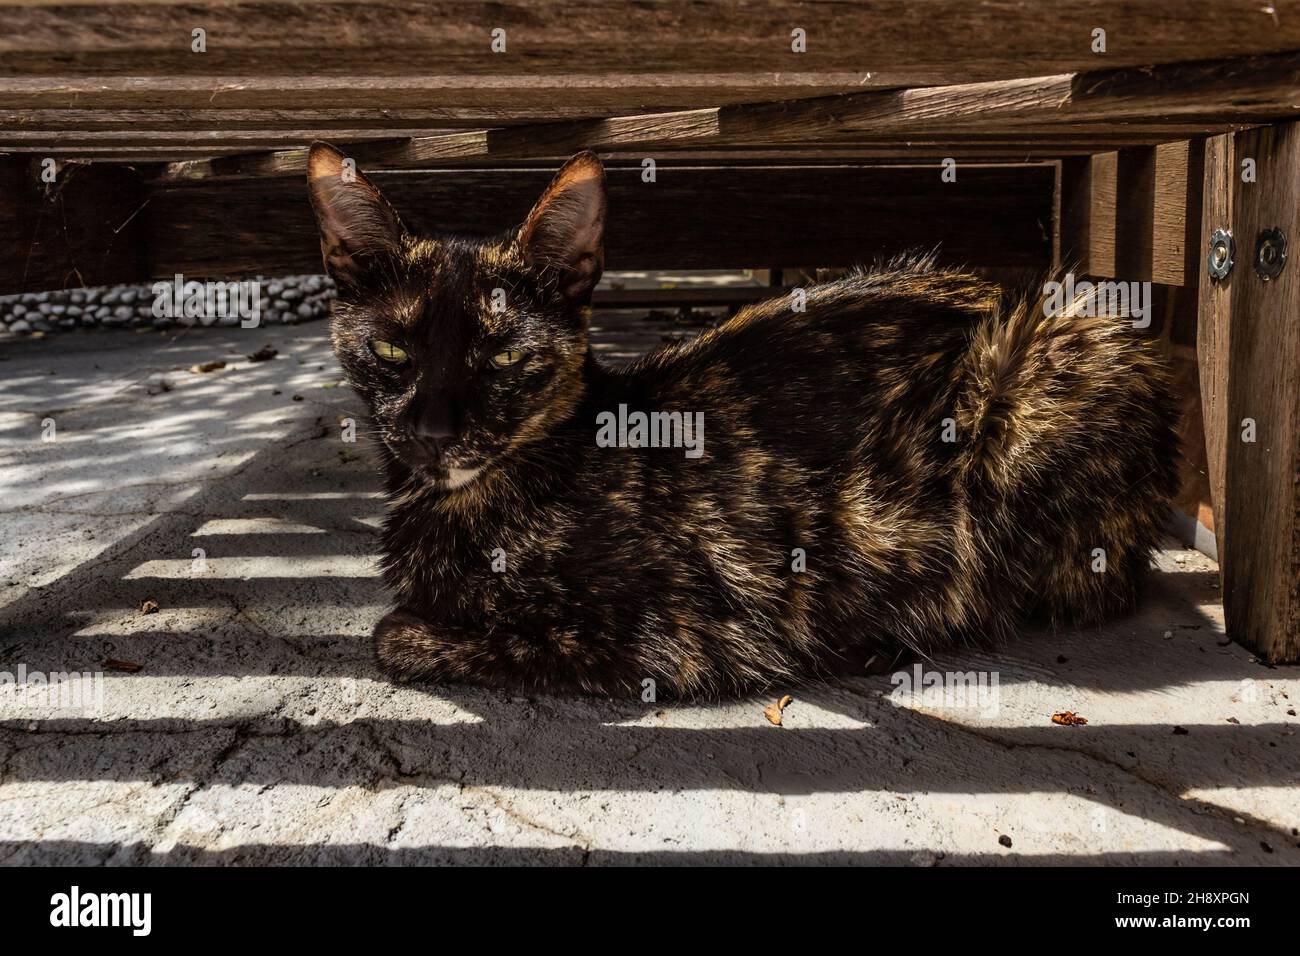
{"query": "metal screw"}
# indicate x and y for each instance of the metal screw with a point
(1270, 253)
(1222, 252)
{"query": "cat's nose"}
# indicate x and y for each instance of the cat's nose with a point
(435, 424)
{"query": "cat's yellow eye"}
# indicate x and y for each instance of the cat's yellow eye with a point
(387, 351)
(507, 358)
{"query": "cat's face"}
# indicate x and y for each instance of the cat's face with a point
(464, 349)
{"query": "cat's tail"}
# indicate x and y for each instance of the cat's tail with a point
(1068, 455)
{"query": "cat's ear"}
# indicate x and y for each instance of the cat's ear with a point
(566, 229)
(357, 226)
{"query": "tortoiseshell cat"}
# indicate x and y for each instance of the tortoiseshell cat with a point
(905, 463)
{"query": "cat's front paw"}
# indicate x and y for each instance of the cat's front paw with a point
(409, 648)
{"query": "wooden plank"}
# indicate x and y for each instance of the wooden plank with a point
(1150, 227)
(1089, 189)
(902, 42)
(1073, 215)
(1214, 317)
(162, 164)
(1261, 556)
(1213, 95)
(688, 295)
(82, 229)
(1096, 137)
(262, 139)
(322, 121)
(1249, 90)
(1182, 334)
(1209, 95)
(692, 217)
(465, 149)
(505, 98)
(1124, 213)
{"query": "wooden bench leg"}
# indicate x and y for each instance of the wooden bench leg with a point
(1214, 315)
(1255, 365)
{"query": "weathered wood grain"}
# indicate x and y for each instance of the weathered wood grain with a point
(1095, 137)
(1261, 557)
(206, 117)
(898, 41)
(1211, 96)
(1214, 318)
(1124, 214)
(501, 99)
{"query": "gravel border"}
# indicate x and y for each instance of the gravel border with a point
(283, 300)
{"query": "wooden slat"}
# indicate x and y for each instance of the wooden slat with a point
(1151, 213)
(1219, 92)
(322, 121)
(70, 139)
(692, 217)
(161, 164)
(1124, 213)
(464, 150)
(1261, 557)
(1213, 95)
(504, 99)
(903, 43)
(1096, 137)
(1214, 317)
(1087, 210)
(690, 295)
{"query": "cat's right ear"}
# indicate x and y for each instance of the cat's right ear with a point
(358, 229)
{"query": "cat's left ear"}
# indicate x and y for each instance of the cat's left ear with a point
(566, 229)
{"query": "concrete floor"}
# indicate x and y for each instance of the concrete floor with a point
(257, 729)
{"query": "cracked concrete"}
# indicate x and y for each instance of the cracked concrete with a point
(257, 729)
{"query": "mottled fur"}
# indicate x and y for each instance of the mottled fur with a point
(824, 432)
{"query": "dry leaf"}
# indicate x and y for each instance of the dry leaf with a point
(264, 354)
(1068, 718)
(148, 606)
(773, 711)
(207, 367)
(126, 667)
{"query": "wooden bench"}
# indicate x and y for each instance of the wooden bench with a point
(1112, 137)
